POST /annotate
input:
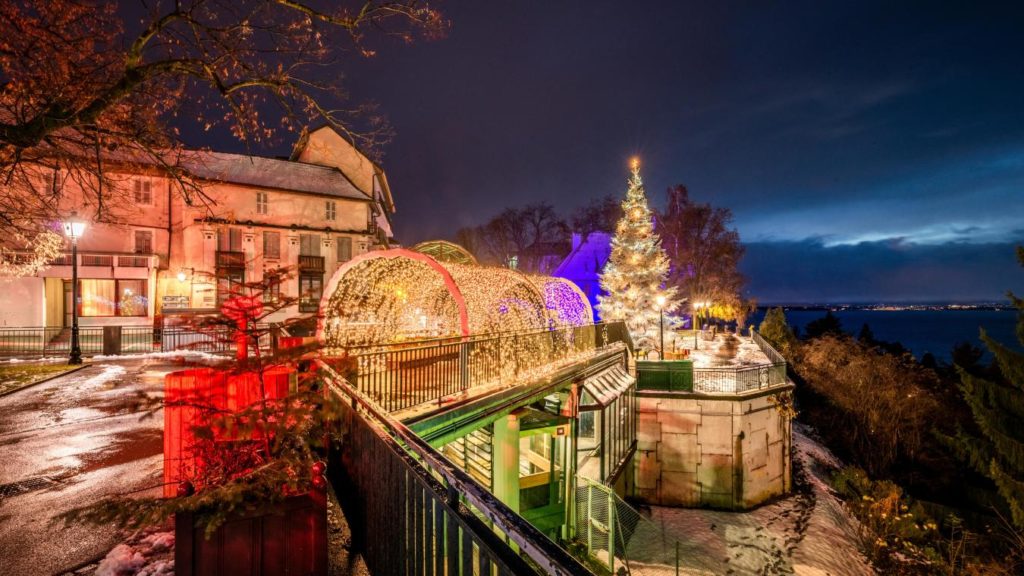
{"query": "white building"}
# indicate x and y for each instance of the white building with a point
(151, 253)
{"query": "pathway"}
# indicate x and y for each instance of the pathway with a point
(70, 442)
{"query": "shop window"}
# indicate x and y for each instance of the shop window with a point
(112, 298)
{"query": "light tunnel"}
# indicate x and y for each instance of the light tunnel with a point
(397, 295)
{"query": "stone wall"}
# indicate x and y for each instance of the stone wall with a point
(721, 452)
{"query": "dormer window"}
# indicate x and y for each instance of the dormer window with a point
(143, 191)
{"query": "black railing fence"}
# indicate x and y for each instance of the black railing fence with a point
(113, 340)
(400, 376)
(417, 512)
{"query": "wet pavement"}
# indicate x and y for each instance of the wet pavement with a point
(70, 442)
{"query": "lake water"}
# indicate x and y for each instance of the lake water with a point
(935, 331)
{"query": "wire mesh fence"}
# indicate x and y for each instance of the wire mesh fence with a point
(618, 537)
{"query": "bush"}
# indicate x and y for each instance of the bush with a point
(874, 409)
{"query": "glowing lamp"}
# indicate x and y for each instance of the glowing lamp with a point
(634, 162)
(661, 301)
(182, 276)
(74, 227)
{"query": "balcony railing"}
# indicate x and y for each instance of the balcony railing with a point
(133, 261)
(229, 259)
(311, 263)
(96, 260)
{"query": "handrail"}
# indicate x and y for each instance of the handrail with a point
(549, 556)
(428, 342)
(766, 348)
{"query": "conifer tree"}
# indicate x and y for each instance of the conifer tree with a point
(998, 408)
(777, 331)
(637, 269)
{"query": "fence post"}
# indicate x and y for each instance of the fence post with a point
(464, 366)
(677, 557)
(611, 531)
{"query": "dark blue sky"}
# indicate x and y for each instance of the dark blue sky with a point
(869, 151)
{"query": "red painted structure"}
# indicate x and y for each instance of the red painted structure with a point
(290, 538)
(191, 397)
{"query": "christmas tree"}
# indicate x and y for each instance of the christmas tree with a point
(998, 408)
(633, 280)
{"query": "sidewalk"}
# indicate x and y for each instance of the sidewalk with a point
(69, 442)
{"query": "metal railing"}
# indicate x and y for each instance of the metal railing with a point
(738, 380)
(405, 375)
(722, 380)
(56, 340)
(420, 513)
(311, 263)
(766, 348)
(230, 259)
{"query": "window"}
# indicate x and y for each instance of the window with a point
(113, 298)
(272, 245)
(229, 282)
(98, 297)
(229, 240)
(262, 202)
(143, 191)
(143, 242)
(332, 210)
(272, 292)
(344, 249)
(131, 298)
(311, 286)
(309, 244)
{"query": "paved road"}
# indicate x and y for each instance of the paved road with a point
(70, 442)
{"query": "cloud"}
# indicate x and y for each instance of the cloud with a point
(886, 270)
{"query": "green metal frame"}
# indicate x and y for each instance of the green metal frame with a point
(666, 375)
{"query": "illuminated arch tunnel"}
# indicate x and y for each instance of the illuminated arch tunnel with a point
(389, 296)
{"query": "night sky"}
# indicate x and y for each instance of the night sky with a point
(869, 152)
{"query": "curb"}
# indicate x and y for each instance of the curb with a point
(44, 380)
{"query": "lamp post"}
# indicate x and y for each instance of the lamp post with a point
(661, 323)
(696, 322)
(73, 229)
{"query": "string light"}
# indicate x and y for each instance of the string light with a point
(392, 297)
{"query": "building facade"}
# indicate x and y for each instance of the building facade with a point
(152, 254)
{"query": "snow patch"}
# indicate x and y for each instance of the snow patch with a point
(123, 560)
(44, 360)
(110, 372)
(183, 355)
(150, 555)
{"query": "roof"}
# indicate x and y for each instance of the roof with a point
(587, 260)
(271, 173)
(445, 251)
(606, 386)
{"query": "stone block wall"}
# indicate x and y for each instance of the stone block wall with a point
(722, 452)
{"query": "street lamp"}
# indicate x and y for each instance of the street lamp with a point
(696, 322)
(661, 324)
(73, 229)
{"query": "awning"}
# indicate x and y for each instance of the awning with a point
(604, 387)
